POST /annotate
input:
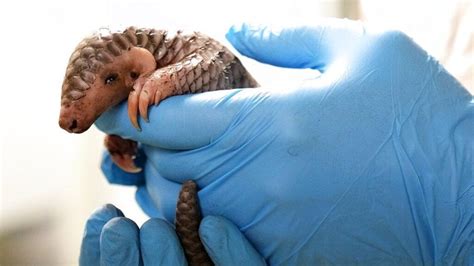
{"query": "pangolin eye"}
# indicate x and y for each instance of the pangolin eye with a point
(111, 78)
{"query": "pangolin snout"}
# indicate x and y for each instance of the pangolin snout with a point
(71, 122)
(70, 125)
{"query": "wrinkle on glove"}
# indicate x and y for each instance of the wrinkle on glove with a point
(370, 163)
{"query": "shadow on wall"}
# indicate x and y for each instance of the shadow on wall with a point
(33, 242)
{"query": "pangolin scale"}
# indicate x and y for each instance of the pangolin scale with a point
(147, 66)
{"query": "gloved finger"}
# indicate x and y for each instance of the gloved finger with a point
(211, 162)
(115, 175)
(90, 246)
(160, 244)
(162, 193)
(191, 121)
(119, 243)
(145, 202)
(226, 245)
(298, 46)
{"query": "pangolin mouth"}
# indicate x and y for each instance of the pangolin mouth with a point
(76, 130)
(79, 129)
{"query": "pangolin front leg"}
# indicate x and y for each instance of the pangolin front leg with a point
(204, 70)
(175, 79)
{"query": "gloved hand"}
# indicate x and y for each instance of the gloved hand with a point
(369, 163)
(111, 239)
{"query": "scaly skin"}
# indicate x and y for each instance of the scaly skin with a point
(147, 66)
(188, 218)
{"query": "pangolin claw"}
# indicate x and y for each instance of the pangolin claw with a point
(157, 97)
(125, 162)
(133, 109)
(143, 103)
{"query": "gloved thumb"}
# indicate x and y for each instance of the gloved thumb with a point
(313, 47)
(191, 121)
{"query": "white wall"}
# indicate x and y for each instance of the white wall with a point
(442, 27)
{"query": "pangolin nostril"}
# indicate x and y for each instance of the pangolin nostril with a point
(73, 125)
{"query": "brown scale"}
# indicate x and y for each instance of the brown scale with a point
(146, 66)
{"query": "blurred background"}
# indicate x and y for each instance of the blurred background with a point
(50, 180)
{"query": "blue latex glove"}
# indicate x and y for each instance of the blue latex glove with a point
(369, 163)
(111, 239)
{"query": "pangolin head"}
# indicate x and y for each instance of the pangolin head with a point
(101, 72)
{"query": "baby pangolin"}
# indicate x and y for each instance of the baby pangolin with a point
(146, 66)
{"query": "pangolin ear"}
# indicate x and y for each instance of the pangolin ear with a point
(145, 60)
(134, 75)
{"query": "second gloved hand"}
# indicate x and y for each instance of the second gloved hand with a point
(111, 239)
(370, 163)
